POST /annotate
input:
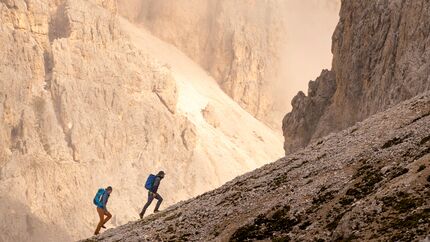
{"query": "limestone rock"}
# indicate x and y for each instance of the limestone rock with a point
(211, 115)
(302, 125)
(237, 42)
(79, 104)
(82, 105)
(380, 57)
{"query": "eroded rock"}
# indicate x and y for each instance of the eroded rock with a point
(380, 57)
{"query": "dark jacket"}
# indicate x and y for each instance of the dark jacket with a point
(157, 181)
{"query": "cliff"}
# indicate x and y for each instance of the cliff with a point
(380, 58)
(237, 42)
(85, 104)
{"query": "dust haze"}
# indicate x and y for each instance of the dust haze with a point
(306, 49)
(305, 29)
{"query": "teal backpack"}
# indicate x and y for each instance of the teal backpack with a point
(97, 199)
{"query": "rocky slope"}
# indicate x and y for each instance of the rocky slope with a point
(83, 106)
(380, 57)
(370, 182)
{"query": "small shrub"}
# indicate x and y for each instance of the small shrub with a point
(281, 239)
(421, 168)
(346, 200)
(304, 225)
(333, 224)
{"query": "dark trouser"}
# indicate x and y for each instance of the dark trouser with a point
(151, 197)
(102, 213)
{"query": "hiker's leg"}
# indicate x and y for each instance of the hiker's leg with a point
(150, 198)
(108, 216)
(101, 216)
(160, 200)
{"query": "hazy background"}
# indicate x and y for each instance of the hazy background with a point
(306, 50)
(292, 38)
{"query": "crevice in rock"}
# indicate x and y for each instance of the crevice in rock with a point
(56, 103)
(59, 25)
(164, 103)
(39, 105)
(48, 66)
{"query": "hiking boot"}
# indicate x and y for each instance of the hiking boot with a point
(141, 215)
(103, 226)
(156, 211)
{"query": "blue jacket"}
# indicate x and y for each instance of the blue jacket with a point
(104, 200)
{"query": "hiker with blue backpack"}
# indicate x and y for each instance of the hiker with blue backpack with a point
(100, 200)
(152, 184)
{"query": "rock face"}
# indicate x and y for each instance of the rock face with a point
(237, 42)
(380, 57)
(79, 104)
(83, 106)
(370, 182)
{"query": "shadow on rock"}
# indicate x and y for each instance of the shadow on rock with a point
(19, 224)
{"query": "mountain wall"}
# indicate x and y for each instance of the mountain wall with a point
(370, 182)
(84, 105)
(80, 105)
(237, 42)
(380, 57)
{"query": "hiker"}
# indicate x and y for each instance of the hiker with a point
(152, 184)
(100, 200)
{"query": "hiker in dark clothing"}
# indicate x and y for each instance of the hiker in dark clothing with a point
(152, 193)
(102, 210)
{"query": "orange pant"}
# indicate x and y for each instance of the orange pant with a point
(103, 220)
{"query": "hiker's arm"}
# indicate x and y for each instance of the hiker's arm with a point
(104, 201)
(155, 185)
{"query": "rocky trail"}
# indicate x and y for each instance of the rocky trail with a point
(370, 182)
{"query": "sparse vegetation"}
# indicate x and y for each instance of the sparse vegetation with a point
(323, 198)
(264, 226)
(346, 200)
(421, 168)
(349, 238)
(282, 239)
(395, 141)
(333, 224)
(278, 181)
(398, 172)
(370, 176)
(412, 220)
(402, 202)
(424, 140)
(305, 224)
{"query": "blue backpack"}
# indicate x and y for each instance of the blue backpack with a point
(150, 182)
(97, 198)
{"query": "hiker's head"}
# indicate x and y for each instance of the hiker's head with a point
(161, 174)
(109, 189)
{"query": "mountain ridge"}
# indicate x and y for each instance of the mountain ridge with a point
(380, 58)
